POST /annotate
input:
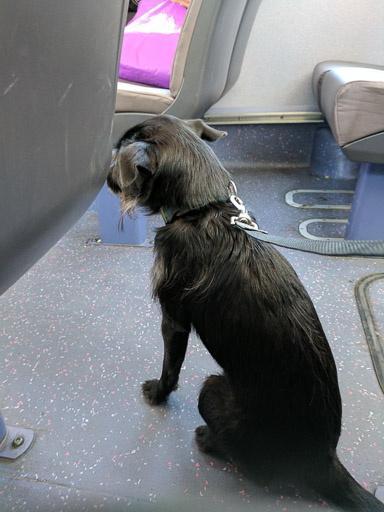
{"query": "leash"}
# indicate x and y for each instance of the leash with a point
(367, 248)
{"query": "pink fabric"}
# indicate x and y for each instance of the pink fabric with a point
(150, 41)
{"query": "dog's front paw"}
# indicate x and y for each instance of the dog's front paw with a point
(152, 393)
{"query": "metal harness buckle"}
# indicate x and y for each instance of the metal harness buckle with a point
(243, 216)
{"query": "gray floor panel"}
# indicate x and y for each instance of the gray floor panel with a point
(81, 333)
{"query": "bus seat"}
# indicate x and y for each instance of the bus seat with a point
(351, 97)
(207, 63)
(55, 140)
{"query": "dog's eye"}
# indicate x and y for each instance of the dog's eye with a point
(143, 170)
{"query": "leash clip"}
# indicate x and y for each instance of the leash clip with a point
(243, 218)
(237, 203)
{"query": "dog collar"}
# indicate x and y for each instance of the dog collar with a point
(171, 214)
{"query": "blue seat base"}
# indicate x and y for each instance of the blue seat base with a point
(133, 231)
(366, 220)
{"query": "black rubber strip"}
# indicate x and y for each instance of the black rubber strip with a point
(374, 339)
(367, 248)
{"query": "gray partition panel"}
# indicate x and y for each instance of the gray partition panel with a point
(59, 63)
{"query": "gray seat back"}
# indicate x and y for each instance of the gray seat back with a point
(55, 141)
(241, 42)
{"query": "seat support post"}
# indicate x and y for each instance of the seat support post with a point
(367, 214)
(14, 441)
(117, 231)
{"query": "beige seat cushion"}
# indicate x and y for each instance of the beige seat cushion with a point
(351, 98)
(134, 97)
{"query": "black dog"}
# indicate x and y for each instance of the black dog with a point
(276, 406)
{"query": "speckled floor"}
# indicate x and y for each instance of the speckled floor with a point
(80, 333)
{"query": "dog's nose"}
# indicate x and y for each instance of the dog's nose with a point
(112, 185)
(111, 179)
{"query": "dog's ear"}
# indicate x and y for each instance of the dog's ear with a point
(204, 131)
(133, 159)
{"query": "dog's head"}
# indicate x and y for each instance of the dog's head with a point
(164, 162)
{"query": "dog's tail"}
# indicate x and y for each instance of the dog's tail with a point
(338, 485)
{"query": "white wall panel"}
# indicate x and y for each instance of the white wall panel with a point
(289, 38)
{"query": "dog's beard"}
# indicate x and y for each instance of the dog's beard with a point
(128, 206)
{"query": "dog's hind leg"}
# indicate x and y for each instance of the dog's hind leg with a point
(218, 408)
(227, 433)
(175, 344)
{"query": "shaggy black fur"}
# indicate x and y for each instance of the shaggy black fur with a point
(276, 407)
